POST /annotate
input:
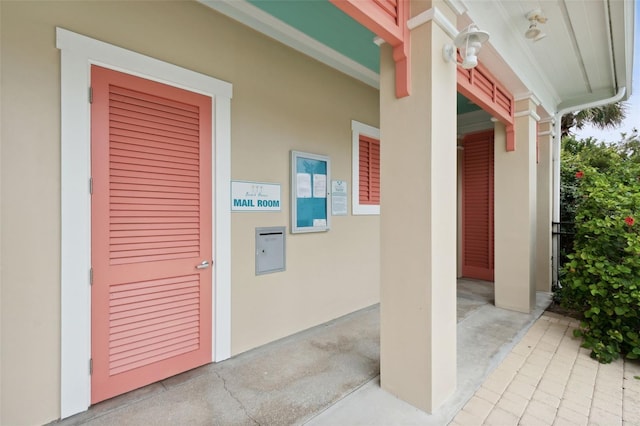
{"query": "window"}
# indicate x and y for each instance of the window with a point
(366, 169)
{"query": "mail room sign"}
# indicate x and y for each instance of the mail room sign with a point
(255, 196)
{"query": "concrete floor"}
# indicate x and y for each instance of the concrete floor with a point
(327, 375)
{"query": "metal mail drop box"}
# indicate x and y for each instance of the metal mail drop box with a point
(270, 249)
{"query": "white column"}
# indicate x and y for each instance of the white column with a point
(418, 222)
(543, 204)
(460, 165)
(515, 212)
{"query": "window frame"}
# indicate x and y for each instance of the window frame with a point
(360, 129)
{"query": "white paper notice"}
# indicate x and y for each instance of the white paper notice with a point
(339, 198)
(303, 184)
(319, 222)
(319, 186)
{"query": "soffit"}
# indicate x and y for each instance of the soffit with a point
(585, 56)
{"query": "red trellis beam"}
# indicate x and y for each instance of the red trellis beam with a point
(481, 87)
(388, 20)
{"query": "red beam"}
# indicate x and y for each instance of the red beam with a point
(481, 87)
(402, 53)
(391, 27)
(370, 15)
(511, 138)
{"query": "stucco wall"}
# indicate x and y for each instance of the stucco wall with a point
(282, 100)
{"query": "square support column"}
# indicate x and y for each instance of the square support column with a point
(544, 194)
(515, 212)
(418, 222)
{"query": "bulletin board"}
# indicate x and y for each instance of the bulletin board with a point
(310, 202)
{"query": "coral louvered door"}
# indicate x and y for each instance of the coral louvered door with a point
(477, 207)
(151, 226)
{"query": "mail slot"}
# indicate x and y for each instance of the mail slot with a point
(270, 249)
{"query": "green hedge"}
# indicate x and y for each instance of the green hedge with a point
(601, 278)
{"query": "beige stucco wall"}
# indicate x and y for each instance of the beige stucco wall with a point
(328, 274)
(282, 101)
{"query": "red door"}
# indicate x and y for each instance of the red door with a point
(477, 206)
(151, 227)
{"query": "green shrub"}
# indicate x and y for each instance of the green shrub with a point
(601, 278)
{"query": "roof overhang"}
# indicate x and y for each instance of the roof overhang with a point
(586, 56)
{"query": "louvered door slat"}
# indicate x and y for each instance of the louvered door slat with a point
(153, 146)
(160, 223)
(477, 261)
(127, 113)
(122, 180)
(146, 346)
(168, 235)
(150, 358)
(146, 145)
(136, 333)
(133, 174)
(158, 302)
(173, 164)
(152, 102)
(151, 149)
(148, 130)
(151, 213)
(124, 339)
(153, 316)
(153, 204)
(162, 171)
(168, 142)
(152, 220)
(157, 305)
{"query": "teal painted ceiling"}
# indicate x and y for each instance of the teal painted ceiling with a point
(326, 23)
(464, 105)
(322, 21)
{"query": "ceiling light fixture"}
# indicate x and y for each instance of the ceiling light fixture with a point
(469, 41)
(535, 17)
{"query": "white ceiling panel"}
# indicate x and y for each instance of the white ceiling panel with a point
(574, 63)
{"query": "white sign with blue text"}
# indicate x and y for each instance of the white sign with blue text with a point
(255, 196)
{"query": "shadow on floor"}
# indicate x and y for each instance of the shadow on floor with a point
(318, 376)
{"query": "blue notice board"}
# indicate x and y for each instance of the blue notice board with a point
(310, 179)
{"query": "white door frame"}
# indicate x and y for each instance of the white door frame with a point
(78, 53)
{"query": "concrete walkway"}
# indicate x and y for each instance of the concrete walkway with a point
(328, 375)
(486, 334)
